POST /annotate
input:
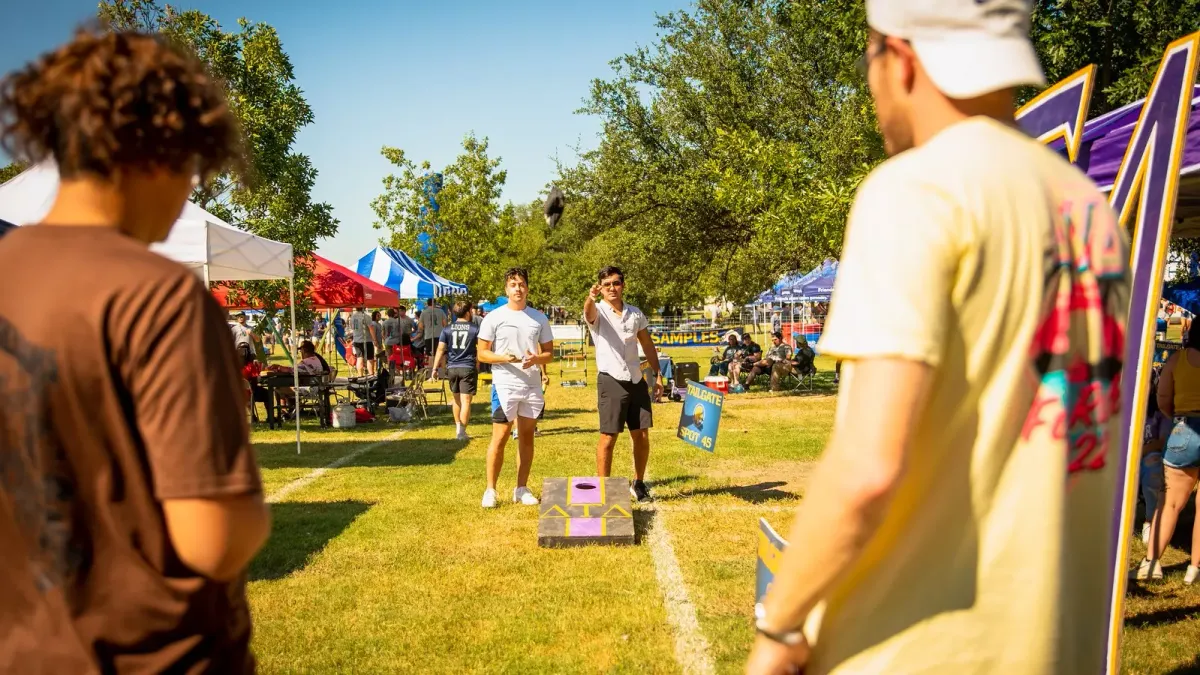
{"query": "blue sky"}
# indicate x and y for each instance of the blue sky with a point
(416, 75)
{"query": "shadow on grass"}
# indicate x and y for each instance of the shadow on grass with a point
(300, 530)
(398, 452)
(755, 494)
(1186, 669)
(1162, 616)
(642, 522)
(562, 431)
(671, 480)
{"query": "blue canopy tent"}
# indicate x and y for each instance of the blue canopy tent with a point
(1186, 295)
(815, 286)
(490, 306)
(398, 271)
(820, 287)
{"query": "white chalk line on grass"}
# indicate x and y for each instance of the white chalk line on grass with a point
(691, 647)
(305, 480)
(699, 508)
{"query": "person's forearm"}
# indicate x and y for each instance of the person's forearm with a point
(841, 512)
(490, 357)
(589, 309)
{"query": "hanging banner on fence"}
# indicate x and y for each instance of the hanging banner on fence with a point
(689, 338)
(701, 416)
(770, 551)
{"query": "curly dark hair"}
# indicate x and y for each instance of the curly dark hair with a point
(109, 99)
(516, 273)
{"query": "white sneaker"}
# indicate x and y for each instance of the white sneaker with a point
(1146, 533)
(514, 432)
(1149, 569)
(462, 436)
(489, 499)
(524, 496)
(1189, 577)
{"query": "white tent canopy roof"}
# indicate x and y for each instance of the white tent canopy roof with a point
(198, 240)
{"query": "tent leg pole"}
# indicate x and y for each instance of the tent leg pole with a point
(296, 363)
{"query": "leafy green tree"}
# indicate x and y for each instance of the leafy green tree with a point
(732, 147)
(469, 229)
(730, 150)
(273, 197)
(1125, 39)
(10, 171)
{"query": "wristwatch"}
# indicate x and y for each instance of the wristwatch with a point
(790, 638)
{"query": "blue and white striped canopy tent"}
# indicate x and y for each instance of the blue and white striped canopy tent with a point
(399, 272)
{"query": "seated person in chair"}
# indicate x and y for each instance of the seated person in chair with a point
(721, 361)
(780, 352)
(748, 354)
(801, 364)
(311, 363)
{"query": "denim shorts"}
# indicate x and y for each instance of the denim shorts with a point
(1183, 446)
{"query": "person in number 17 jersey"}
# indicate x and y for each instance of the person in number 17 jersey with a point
(457, 345)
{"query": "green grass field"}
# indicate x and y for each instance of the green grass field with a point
(388, 564)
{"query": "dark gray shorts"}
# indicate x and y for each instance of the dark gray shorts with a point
(463, 380)
(623, 404)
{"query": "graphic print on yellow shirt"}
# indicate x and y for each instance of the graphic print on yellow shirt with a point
(1085, 303)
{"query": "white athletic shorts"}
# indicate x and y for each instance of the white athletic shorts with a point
(509, 404)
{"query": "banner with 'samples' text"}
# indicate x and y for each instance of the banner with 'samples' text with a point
(689, 338)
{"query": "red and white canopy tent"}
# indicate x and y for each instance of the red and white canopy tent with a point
(332, 287)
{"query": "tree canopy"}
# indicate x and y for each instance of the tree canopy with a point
(273, 199)
(731, 149)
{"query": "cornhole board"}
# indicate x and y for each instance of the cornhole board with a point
(579, 511)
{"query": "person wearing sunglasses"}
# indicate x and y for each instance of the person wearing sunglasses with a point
(625, 399)
(959, 520)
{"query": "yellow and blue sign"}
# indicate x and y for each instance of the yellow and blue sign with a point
(770, 552)
(701, 416)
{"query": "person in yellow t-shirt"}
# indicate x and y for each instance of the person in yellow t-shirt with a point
(960, 518)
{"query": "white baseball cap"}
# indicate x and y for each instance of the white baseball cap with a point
(968, 47)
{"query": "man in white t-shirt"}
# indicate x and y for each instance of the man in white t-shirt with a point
(516, 340)
(960, 519)
(624, 400)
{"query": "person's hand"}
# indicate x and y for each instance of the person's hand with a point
(433, 374)
(513, 358)
(595, 292)
(658, 389)
(529, 361)
(769, 657)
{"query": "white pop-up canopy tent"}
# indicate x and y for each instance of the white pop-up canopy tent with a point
(214, 249)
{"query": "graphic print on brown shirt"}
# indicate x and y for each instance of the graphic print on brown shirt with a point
(118, 390)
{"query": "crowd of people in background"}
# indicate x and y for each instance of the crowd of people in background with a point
(1170, 461)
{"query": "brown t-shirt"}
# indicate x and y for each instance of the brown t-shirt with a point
(118, 389)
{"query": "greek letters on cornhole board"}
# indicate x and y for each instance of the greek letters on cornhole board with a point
(578, 511)
(770, 551)
(701, 416)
